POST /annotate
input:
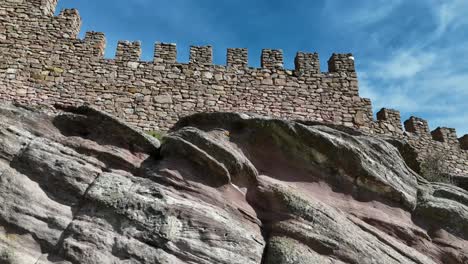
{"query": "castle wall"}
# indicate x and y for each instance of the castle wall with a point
(43, 62)
(42, 55)
(441, 143)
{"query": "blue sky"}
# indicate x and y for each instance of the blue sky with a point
(410, 55)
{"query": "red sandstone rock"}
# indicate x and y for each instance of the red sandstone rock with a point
(82, 187)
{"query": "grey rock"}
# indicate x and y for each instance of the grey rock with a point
(241, 170)
(446, 206)
(83, 187)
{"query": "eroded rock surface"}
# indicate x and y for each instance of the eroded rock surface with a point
(83, 187)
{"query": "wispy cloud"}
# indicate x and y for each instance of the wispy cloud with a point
(450, 14)
(404, 64)
(360, 13)
(427, 75)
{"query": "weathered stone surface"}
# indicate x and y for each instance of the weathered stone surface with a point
(362, 161)
(446, 206)
(42, 53)
(441, 144)
(325, 230)
(83, 187)
(44, 63)
(319, 184)
(93, 197)
(240, 170)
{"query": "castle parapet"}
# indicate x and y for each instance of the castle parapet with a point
(272, 59)
(417, 126)
(307, 62)
(392, 120)
(237, 57)
(96, 42)
(70, 23)
(43, 62)
(446, 135)
(47, 7)
(128, 51)
(165, 52)
(341, 63)
(202, 55)
(463, 142)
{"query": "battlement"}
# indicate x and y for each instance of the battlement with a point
(420, 128)
(96, 41)
(390, 115)
(68, 25)
(128, 51)
(464, 142)
(201, 55)
(43, 62)
(165, 52)
(341, 63)
(390, 121)
(307, 63)
(237, 57)
(444, 134)
(272, 59)
(45, 7)
(69, 21)
(441, 142)
(417, 126)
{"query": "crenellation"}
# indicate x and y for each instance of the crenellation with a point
(42, 62)
(446, 135)
(272, 59)
(442, 144)
(389, 122)
(341, 63)
(307, 63)
(463, 142)
(46, 7)
(70, 23)
(165, 52)
(237, 57)
(201, 55)
(128, 51)
(417, 126)
(390, 115)
(96, 41)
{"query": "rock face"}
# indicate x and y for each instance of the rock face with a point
(82, 187)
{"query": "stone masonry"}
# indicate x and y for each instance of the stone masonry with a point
(441, 142)
(42, 62)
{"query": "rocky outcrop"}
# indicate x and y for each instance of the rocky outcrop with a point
(83, 187)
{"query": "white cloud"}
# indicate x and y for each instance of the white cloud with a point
(404, 64)
(425, 75)
(360, 13)
(450, 14)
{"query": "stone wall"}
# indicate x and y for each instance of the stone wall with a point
(442, 143)
(42, 54)
(43, 62)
